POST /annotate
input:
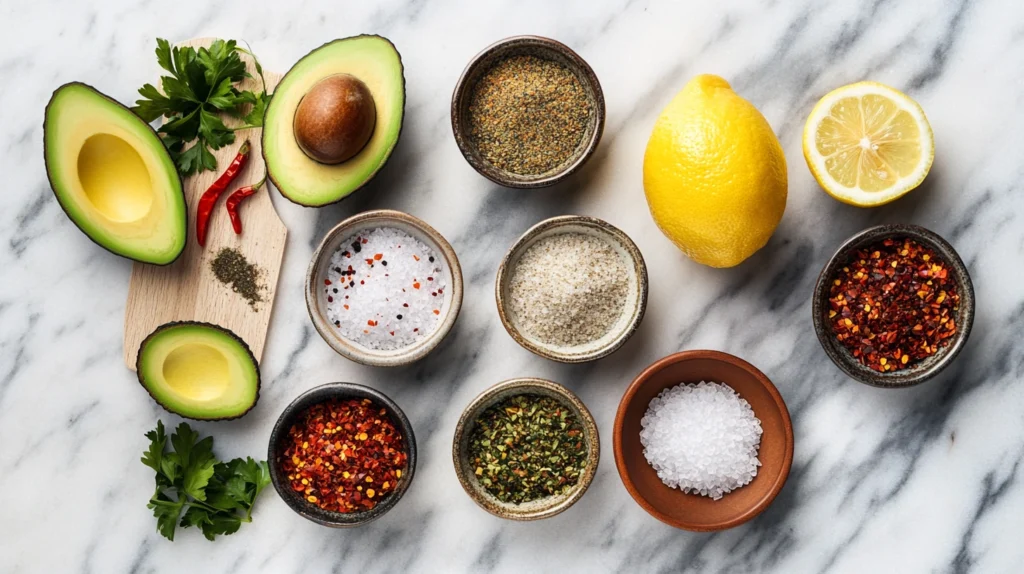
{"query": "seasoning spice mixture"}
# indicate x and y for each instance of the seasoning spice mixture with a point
(385, 289)
(893, 304)
(344, 455)
(568, 289)
(528, 115)
(231, 268)
(527, 447)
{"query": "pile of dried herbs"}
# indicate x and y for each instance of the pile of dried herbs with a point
(233, 269)
(527, 447)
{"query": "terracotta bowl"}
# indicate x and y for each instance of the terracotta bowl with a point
(925, 369)
(316, 299)
(636, 300)
(279, 436)
(537, 509)
(547, 49)
(691, 511)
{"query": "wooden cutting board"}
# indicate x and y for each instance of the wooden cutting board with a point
(187, 290)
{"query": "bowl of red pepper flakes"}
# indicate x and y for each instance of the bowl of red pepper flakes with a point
(894, 306)
(342, 454)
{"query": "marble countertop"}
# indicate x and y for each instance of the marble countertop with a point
(918, 480)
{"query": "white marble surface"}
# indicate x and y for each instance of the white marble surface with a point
(920, 480)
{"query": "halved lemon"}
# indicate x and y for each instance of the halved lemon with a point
(868, 144)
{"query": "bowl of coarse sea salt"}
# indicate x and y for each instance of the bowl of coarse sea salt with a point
(703, 441)
(384, 288)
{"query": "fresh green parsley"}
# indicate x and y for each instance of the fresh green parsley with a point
(199, 89)
(193, 488)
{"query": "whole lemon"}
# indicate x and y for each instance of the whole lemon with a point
(714, 174)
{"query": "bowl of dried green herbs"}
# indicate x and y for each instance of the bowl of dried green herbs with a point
(526, 449)
(527, 112)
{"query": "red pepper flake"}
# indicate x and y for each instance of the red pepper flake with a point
(330, 299)
(369, 261)
(327, 281)
(337, 447)
(371, 323)
(893, 304)
(416, 285)
(416, 257)
(437, 311)
(378, 256)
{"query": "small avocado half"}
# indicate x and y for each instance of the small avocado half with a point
(376, 63)
(113, 176)
(199, 371)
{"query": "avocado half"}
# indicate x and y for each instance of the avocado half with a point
(113, 176)
(199, 371)
(375, 61)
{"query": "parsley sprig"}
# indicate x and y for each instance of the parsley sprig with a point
(195, 487)
(201, 87)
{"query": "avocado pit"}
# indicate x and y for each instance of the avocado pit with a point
(335, 119)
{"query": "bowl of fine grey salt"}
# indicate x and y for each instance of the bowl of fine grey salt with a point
(572, 289)
(383, 288)
(703, 441)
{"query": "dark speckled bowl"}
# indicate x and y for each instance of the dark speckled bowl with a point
(280, 434)
(547, 49)
(537, 509)
(925, 369)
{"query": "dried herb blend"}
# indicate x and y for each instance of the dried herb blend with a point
(893, 304)
(528, 115)
(344, 455)
(568, 289)
(233, 269)
(527, 447)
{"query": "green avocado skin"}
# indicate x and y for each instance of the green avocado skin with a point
(347, 188)
(63, 101)
(186, 332)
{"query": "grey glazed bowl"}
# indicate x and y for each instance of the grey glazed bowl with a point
(316, 300)
(635, 306)
(537, 509)
(547, 49)
(280, 434)
(925, 369)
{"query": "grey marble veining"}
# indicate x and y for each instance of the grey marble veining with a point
(919, 480)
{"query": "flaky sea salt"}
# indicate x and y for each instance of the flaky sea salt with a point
(702, 438)
(384, 289)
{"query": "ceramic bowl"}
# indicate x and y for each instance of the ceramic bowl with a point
(291, 414)
(925, 369)
(316, 299)
(636, 300)
(537, 509)
(692, 511)
(546, 49)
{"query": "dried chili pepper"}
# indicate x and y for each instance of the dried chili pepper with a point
(235, 199)
(209, 198)
(344, 455)
(893, 304)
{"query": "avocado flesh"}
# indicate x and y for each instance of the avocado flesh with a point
(113, 176)
(376, 62)
(199, 371)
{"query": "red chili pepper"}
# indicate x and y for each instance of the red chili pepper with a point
(235, 199)
(211, 195)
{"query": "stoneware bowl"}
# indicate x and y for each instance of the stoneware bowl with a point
(316, 299)
(279, 436)
(925, 369)
(537, 509)
(546, 49)
(692, 511)
(636, 300)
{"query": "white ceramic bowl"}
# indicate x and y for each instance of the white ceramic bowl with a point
(316, 299)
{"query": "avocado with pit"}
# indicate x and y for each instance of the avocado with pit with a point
(199, 371)
(334, 119)
(113, 176)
